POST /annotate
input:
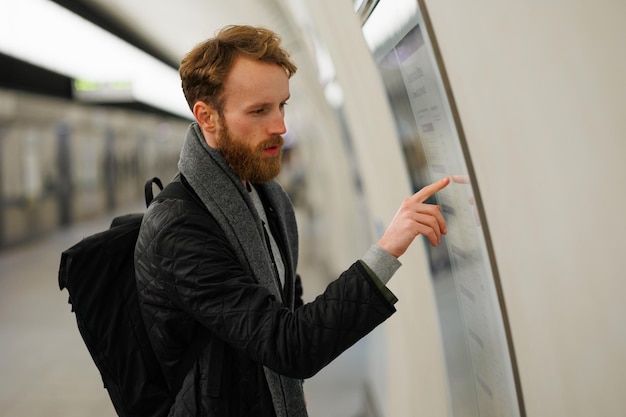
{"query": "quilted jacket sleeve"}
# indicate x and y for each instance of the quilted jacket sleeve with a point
(185, 264)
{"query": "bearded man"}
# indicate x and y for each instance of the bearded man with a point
(221, 267)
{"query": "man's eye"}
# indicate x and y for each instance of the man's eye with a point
(258, 111)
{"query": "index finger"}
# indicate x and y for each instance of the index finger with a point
(425, 193)
(461, 179)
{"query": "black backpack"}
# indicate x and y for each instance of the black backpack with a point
(99, 275)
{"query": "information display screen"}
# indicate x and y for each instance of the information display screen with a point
(478, 362)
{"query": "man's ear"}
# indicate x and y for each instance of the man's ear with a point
(206, 116)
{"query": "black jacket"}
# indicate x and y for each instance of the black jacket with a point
(190, 281)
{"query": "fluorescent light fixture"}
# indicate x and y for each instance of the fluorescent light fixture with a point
(47, 35)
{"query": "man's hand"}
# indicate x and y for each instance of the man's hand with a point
(415, 218)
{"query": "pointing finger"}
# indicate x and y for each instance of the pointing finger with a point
(423, 194)
(461, 179)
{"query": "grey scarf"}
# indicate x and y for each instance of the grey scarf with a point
(227, 199)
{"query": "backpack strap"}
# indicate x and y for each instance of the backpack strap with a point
(148, 189)
(181, 190)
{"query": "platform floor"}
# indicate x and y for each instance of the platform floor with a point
(46, 371)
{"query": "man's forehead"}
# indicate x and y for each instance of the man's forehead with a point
(254, 80)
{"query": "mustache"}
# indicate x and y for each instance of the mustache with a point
(273, 141)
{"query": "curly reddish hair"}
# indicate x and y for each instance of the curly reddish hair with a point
(203, 71)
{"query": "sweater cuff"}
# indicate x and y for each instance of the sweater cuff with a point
(381, 263)
(388, 295)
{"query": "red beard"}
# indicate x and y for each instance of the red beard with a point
(250, 163)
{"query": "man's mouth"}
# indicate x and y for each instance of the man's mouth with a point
(272, 150)
(273, 146)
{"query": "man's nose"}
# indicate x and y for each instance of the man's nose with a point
(277, 125)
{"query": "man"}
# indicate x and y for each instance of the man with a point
(223, 264)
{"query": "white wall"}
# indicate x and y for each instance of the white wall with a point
(540, 87)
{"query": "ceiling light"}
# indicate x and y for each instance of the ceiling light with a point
(47, 35)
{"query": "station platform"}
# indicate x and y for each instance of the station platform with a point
(46, 370)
